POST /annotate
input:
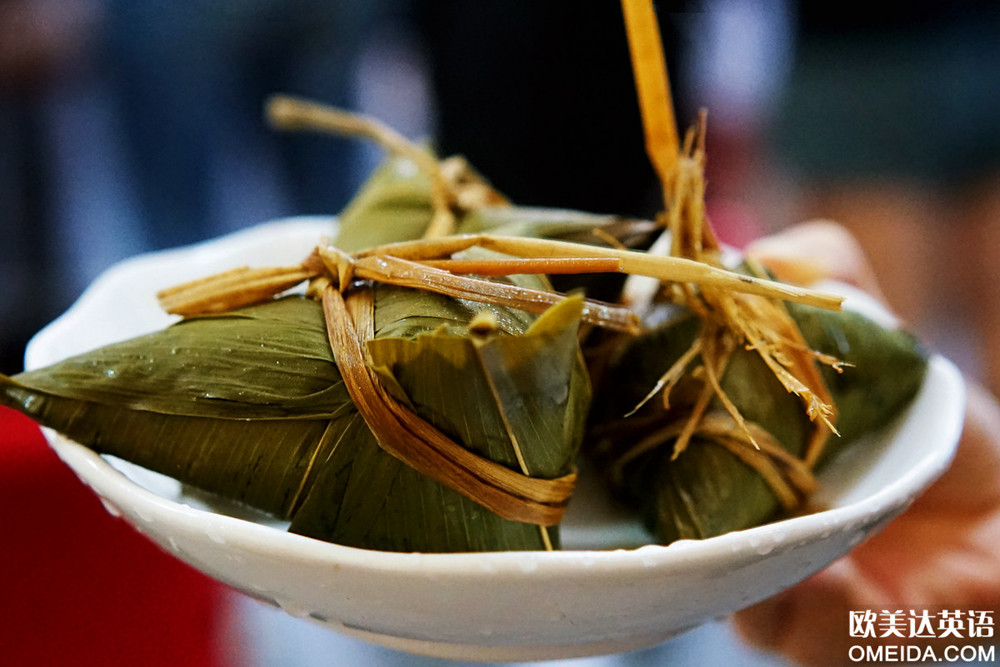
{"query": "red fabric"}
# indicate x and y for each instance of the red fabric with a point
(78, 587)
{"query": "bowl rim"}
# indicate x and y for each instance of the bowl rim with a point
(118, 489)
(115, 487)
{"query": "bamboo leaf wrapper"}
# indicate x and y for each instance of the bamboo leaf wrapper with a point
(707, 490)
(250, 405)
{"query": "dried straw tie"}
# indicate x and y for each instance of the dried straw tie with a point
(399, 431)
(415, 442)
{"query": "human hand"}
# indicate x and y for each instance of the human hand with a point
(942, 553)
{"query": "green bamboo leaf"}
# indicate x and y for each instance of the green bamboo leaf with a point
(707, 491)
(394, 204)
(235, 404)
(250, 405)
(558, 224)
(264, 361)
(501, 371)
(436, 371)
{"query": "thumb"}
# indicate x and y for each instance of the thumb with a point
(813, 251)
(809, 624)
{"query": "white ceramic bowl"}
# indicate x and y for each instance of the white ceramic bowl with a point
(590, 599)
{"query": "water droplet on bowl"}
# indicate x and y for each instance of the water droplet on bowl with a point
(214, 533)
(111, 508)
(528, 565)
(294, 609)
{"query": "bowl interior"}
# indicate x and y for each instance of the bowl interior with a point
(610, 590)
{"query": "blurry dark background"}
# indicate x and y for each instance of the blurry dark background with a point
(131, 126)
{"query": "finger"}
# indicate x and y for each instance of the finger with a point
(940, 552)
(816, 250)
(969, 486)
(809, 623)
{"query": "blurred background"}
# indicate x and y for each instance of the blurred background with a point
(134, 125)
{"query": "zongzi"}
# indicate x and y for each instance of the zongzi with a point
(752, 389)
(727, 477)
(251, 404)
